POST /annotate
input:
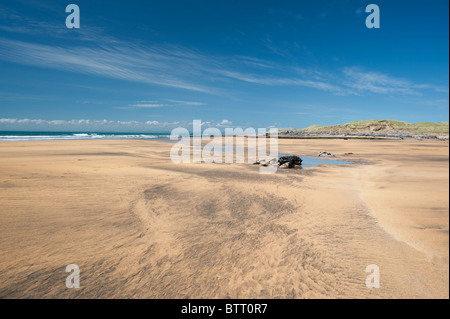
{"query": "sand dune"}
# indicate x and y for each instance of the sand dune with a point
(139, 226)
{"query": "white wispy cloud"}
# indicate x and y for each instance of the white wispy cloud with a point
(149, 105)
(348, 81)
(179, 68)
(437, 88)
(150, 65)
(189, 103)
(255, 62)
(375, 82)
(278, 81)
(13, 22)
(158, 104)
(182, 68)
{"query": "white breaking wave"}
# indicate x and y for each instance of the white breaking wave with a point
(78, 136)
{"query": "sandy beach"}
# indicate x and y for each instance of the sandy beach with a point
(139, 226)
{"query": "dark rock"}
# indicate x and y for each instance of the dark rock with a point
(325, 154)
(292, 161)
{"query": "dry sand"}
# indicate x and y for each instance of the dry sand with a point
(140, 226)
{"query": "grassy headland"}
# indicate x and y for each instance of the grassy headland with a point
(379, 126)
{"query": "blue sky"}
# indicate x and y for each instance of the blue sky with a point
(154, 65)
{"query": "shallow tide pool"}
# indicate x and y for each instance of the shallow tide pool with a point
(312, 161)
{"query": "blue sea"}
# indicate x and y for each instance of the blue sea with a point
(56, 136)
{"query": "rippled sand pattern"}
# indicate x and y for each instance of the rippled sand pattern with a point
(139, 226)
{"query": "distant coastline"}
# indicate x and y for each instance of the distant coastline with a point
(372, 129)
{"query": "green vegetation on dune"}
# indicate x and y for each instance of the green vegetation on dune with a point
(381, 126)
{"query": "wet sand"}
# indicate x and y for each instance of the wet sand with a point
(140, 226)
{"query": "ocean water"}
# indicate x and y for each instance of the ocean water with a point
(55, 136)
